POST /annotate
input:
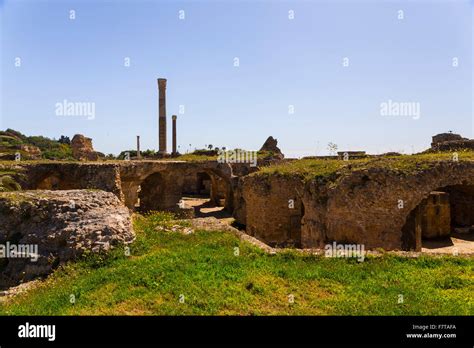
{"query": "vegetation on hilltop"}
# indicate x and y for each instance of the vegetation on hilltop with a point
(33, 147)
(133, 154)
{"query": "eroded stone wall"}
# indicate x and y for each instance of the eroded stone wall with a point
(273, 209)
(436, 215)
(368, 206)
(67, 176)
(125, 178)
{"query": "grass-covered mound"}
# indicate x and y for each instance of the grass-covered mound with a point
(203, 271)
(8, 179)
(308, 169)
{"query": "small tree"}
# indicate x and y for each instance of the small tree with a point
(64, 140)
(332, 148)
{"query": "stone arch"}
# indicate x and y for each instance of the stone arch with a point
(221, 188)
(54, 181)
(419, 188)
(177, 178)
(152, 192)
(363, 207)
(438, 214)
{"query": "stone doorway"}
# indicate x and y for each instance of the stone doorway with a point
(151, 192)
(443, 222)
(206, 192)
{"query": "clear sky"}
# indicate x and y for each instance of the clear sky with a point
(284, 64)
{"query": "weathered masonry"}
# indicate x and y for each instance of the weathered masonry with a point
(148, 185)
(377, 207)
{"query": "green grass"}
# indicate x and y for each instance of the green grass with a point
(164, 265)
(191, 157)
(308, 169)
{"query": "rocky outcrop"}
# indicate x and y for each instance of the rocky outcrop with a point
(270, 145)
(33, 152)
(52, 227)
(82, 149)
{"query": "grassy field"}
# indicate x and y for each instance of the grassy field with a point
(169, 273)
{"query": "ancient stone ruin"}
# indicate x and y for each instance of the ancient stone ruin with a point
(450, 142)
(82, 149)
(356, 205)
(360, 207)
(53, 227)
(387, 201)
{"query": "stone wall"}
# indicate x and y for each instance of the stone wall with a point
(172, 181)
(462, 205)
(125, 177)
(273, 209)
(67, 176)
(364, 207)
(368, 206)
(435, 215)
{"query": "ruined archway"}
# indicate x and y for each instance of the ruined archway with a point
(207, 192)
(161, 185)
(50, 182)
(373, 206)
(55, 181)
(196, 184)
(151, 193)
(441, 219)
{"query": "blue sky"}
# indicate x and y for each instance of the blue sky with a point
(284, 63)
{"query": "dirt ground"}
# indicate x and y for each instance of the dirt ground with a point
(204, 208)
(460, 243)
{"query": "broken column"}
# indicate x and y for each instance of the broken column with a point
(162, 115)
(138, 147)
(174, 117)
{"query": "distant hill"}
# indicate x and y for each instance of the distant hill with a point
(33, 147)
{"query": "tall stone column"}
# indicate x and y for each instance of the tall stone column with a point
(138, 147)
(174, 117)
(162, 115)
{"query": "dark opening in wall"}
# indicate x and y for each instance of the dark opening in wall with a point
(151, 193)
(445, 212)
